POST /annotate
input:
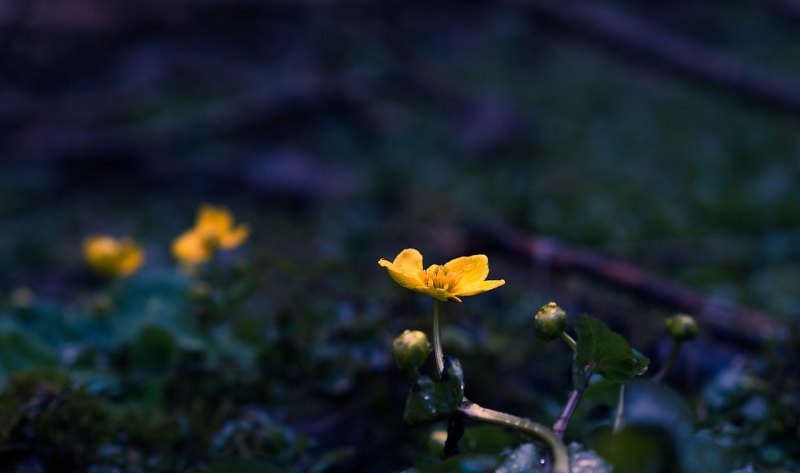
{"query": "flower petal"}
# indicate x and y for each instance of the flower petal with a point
(214, 220)
(190, 248)
(234, 238)
(409, 280)
(479, 287)
(439, 294)
(409, 261)
(473, 268)
(131, 257)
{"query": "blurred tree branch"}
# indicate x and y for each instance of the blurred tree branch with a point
(721, 316)
(671, 52)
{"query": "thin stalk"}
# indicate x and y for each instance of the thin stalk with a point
(618, 419)
(437, 340)
(570, 341)
(673, 355)
(559, 451)
(563, 420)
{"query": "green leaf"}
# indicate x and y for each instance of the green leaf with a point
(637, 449)
(243, 465)
(153, 349)
(602, 351)
(527, 458)
(19, 352)
(640, 362)
(429, 401)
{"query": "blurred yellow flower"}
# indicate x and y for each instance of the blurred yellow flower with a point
(112, 257)
(464, 276)
(213, 230)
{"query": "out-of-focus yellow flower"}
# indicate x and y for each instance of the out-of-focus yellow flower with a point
(213, 230)
(464, 276)
(112, 257)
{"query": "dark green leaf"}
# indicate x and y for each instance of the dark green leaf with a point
(638, 449)
(527, 458)
(649, 403)
(640, 362)
(154, 349)
(459, 464)
(19, 351)
(601, 351)
(243, 466)
(429, 401)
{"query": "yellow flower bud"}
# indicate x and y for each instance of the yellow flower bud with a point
(682, 327)
(550, 321)
(411, 349)
(22, 298)
(101, 304)
(436, 441)
(199, 291)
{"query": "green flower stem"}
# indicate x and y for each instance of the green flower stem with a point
(560, 456)
(618, 419)
(437, 341)
(563, 420)
(673, 355)
(570, 341)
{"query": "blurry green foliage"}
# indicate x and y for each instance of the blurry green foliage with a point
(601, 351)
(687, 182)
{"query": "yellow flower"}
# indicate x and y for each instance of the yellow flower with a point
(464, 276)
(213, 230)
(112, 257)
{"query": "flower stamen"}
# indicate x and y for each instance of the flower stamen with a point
(440, 277)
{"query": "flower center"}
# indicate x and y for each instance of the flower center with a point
(439, 277)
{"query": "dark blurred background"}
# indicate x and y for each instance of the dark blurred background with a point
(662, 134)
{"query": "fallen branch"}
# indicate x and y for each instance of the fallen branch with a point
(718, 315)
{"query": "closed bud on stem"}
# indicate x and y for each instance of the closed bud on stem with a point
(436, 441)
(410, 350)
(102, 304)
(550, 321)
(682, 327)
(22, 298)
(199, 291)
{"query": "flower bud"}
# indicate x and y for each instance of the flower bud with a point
(200, 291)
(22, 298)
(550, 321)
(101, 304)
(436, 441)
(411, 349)
(682, 327)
